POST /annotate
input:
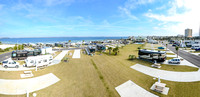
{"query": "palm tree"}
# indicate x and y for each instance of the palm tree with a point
(116, 50)
(139, 48)
(69, 43)
(59, 45)
(109, 48)
(177, 50)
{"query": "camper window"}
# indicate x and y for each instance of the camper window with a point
(39, 62)
(14, 54)
(31, 61)
(45, 60)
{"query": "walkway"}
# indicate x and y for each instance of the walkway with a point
(59, 57)
(130, 89)
(168, 75)
(77, 54)
(19, 87)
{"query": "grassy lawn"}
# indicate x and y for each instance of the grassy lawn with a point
(170, 53)
(98, 76)
(21, 62)
(194, 51)
(168, 58)
(56, 53)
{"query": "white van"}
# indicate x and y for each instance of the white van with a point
(38, 60)
(195, 46)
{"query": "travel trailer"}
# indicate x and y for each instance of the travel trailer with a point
(152, 55)
(41, 60)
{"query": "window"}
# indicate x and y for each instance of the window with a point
(14, 55)
(45, 60)
(31, 61)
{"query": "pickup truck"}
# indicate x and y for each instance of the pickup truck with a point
(10, 63)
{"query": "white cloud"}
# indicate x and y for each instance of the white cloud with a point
(127, 12)
(132, 4)
(57, 2)
(178, 21)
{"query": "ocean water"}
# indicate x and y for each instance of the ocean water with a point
(53, 39)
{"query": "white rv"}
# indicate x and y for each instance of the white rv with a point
(195, 46)
(41, 60)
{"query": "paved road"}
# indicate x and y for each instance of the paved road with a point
(5, 56)
(187, 56)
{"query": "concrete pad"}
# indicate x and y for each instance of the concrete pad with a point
(183, 62)
(168, 75)
(172, 56)
(19, 87)
(130, 89)
(77, 54)
(26, 75)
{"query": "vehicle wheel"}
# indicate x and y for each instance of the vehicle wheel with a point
(178, 62)
(5, 66)
(16, 66)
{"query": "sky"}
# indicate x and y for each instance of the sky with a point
(63, 18)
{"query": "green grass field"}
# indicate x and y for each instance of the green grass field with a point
(98, 76)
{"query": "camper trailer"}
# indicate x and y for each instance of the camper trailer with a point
(41, 60)
(152, 55)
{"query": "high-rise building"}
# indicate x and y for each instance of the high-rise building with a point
(199, 30)
(188, 32)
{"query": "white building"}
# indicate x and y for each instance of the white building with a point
(46, 50)
(188, 32)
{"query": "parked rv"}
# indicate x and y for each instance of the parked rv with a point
(38, 60)
(19, 55)
(195, 46)
(23, 54)
(152, 55)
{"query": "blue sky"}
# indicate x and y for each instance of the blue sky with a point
(55, 18)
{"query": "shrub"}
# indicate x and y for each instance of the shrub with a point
(131, 57)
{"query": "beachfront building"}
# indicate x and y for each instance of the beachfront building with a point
(188, 32)
(139, 39)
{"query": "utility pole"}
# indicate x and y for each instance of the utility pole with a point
(17, 45)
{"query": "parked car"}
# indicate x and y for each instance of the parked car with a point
(174, 61)
(161, 48)
(10, 63)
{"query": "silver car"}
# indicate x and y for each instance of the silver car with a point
(174, 61)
